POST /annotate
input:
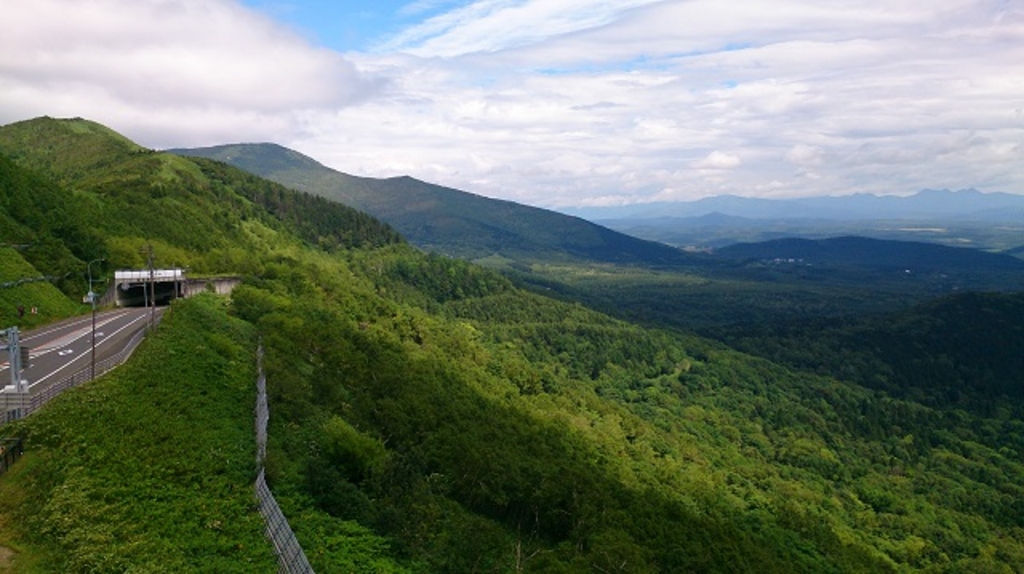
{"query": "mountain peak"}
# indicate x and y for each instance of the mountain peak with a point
(65, 147)
(249, 156)
(448, 220)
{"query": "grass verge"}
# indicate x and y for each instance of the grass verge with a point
(148, 469)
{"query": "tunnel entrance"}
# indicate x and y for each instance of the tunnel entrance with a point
(141, 288)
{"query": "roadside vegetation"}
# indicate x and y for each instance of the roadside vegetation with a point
(149, 468)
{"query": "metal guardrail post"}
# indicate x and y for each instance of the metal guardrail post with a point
(10, 451)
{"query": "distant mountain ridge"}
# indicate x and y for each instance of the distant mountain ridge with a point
(447, 220)
(989, 221)
(928, 204)
(877, 253)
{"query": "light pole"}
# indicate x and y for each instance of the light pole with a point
(92, 299)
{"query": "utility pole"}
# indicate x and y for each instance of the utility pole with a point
(92, 299)
(149, 293)
(13, 355)
(152, 291)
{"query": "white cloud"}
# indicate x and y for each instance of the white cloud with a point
(856, 94)
(805, 155)
(136, 63)
(492, 25)
(563, 101)
(718, 160)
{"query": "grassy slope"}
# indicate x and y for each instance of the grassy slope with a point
(50, 303)
(207, 216)
(89, 147)
(143, 470)
(196, 214)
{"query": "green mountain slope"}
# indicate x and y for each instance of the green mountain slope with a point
(67, 149)
(446, 220)
(24, 288)
(429, 416)
(574, 260)
(194, 213)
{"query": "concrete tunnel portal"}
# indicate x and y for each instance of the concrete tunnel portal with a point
(140, 288)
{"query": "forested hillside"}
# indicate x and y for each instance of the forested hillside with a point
(119, 199)
(430, 416)
(449, 221)
(644, 281)
(961, 351)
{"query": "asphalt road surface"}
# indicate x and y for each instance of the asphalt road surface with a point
(62, 349)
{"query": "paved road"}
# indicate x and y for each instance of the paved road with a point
(61, 349)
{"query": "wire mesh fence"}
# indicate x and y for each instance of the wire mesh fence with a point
(291, 559)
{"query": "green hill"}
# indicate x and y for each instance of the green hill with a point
(194, 213)
(67, 149)
(145, 470)
(446, 220)
(429, 416)
(23, 288)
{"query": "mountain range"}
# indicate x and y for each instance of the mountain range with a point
(928, 205)
(966, 218)
(529, 242)
(876, 253)
(462, 224)
(446, 220)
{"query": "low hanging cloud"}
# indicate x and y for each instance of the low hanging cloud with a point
(146, 66)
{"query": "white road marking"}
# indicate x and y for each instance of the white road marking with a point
(71, 362)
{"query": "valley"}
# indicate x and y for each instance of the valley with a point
(459, 384)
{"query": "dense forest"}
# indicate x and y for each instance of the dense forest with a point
(430, 415)
(961, 351)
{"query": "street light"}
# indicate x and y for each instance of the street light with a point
(92, 299)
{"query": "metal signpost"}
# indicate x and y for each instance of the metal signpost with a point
(15, 395)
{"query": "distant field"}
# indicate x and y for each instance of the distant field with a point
(724, 292)
(693, 232)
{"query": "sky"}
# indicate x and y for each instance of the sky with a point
(553, 103)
